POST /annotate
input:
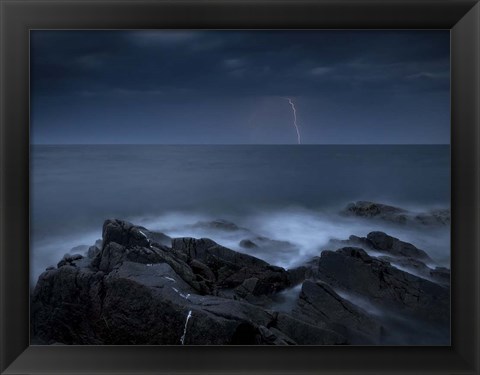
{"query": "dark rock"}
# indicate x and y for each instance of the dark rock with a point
(66, 304)
(416, 267)
(219, 224)
(264, 247)
(79, 249)
(265, 242)
(93, 251)
(305, 333)
(202, 270)
(158, 276)
(134, 290)
(297, 275)
(149, 304)
(352, 269)
(114, 256)
(412, 265)
(122, 233)
(441, 274)
(308, 271)
(248, 287)
(125, 242)
(69, 259)
(401, 260)
(319, 302)
(158, 238)
(434, 217)
(231, 268)
(274, 337)
(371, 209)
(390, 246)
(127, 234)
(397, 215)
(248, 244)
(100, 302)
(384, 212)
(393, 246)
(77, 306)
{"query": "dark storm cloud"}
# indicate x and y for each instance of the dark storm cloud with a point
(155, 73)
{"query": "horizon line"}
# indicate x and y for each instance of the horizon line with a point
(240, 144)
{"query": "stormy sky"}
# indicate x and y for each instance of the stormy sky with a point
(229, 87)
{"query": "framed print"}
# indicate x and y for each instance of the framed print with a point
(269, 187)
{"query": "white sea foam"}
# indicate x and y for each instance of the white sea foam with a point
(48, 252)
(308, 232)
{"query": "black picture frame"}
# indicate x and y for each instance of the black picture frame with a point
(462, 17)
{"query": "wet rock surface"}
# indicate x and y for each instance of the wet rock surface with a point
(389, 245)
(318, 302)
(402, 255)
(220, 224)
(396, 215)
(352, 269)
(141, 287)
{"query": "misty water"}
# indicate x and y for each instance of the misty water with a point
(285, 193)
(291, 193)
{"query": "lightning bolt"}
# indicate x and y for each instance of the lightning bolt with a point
(295, 120)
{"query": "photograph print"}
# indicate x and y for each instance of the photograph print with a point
(240, 187)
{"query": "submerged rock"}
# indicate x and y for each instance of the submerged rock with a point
(265, 242)
(366, 209)
(79, 249)
(434, 217)
(248, 244)
(371, 209)
(219, 224)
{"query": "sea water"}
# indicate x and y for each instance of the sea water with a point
(285, 192)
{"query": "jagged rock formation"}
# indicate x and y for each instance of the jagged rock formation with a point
(354, 270)
(401, 254)
(140, 287)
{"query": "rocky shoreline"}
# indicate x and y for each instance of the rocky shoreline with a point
(141, 287)
(396, 215)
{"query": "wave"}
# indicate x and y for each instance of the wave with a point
(291, 236)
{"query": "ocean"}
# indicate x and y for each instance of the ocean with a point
(284, 192)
